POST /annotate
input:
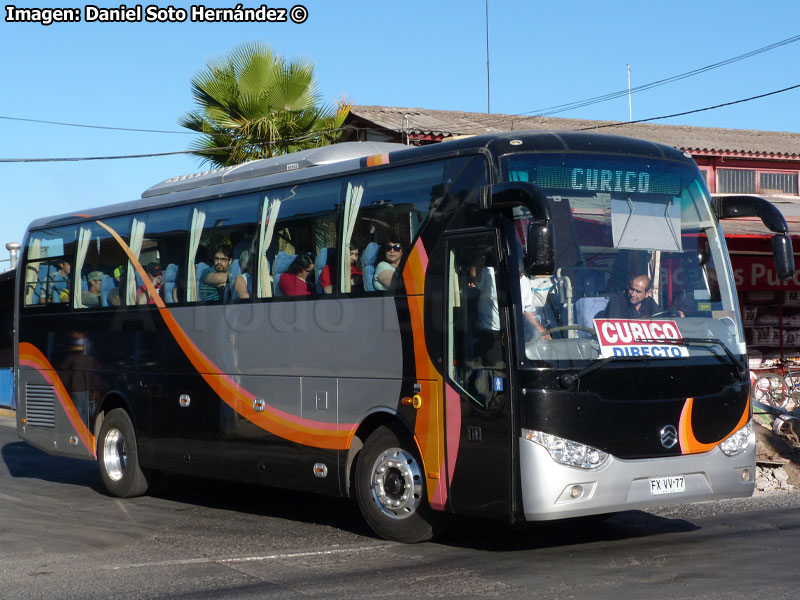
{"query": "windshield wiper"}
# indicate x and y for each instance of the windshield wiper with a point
(568, 381)
(740, 368)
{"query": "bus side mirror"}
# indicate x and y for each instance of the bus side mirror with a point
(733, 207)
(736, 207)
(783, 255)
(540, 253)
(501, 196)
(540, 256)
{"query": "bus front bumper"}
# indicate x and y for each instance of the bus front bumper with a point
(551, 490)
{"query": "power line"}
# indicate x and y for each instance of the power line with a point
(689, 112)
(84, 158)
(619, 124)
(543, 112)
(96, 126)
(199, 151)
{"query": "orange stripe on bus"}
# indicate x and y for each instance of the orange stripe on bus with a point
(414, 270)
(377, 160)
(689, 443)
(31, 356)
(429, 424)
(293, 428)
(136, 265)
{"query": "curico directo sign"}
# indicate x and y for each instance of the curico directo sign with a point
(627, 337)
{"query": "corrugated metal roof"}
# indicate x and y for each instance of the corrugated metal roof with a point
(698, 140)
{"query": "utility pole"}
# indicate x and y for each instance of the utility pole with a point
(630, 105)
(488, 81)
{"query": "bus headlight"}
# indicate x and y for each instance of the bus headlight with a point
(566, 451)
(738, 442)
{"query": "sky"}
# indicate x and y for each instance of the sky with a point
(428, 54)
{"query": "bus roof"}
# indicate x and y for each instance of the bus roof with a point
(347, 156)
(270, 166)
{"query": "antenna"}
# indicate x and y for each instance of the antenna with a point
(488, 86)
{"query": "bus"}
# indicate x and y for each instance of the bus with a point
(428, 330)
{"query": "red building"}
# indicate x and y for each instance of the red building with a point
(734, 161)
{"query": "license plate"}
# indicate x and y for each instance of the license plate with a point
(667, 485)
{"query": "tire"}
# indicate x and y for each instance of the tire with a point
(792, 382)
(769, 390)
(118, 456)
(390, 489)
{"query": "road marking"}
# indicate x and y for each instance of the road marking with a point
(244, 559)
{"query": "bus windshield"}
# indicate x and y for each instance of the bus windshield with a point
(641, 266)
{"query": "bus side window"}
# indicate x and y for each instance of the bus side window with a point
(98, 256)
(48, 264)
(298, 241)
(219, 232)
(382, 211)
(158, 241)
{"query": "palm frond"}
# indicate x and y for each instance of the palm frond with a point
(253, 104)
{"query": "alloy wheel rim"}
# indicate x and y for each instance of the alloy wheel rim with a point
(114, 454)
(396, 483)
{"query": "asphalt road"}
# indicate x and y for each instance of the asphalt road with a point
(62, 537)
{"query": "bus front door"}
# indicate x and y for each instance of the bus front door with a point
(477, 359)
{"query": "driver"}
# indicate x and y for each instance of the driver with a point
(636, 303)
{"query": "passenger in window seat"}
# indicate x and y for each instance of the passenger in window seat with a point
(384, 272)
(244, 280)
(153, 271)
(356, 275)
(214, 279)
(91, 297)
(58, 284)
(295, 281)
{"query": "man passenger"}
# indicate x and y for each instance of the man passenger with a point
(57, 284)
(214, 279)
(635, 303)
(114, 298)
(153, 271)
(91, 298)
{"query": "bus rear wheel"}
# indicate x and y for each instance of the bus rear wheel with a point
(390, 489)
(118, 456)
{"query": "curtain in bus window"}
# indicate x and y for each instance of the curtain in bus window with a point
(32, 270)
(269, 214)
(84, 239)
(351, 205)
(137, 236)
(198, 220)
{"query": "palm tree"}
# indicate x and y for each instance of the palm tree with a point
(253, 104)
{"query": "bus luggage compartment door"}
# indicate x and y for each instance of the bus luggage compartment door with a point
(51, 418)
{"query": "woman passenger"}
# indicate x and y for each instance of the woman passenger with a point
(295, 281)
(356, 276)
(244, 280)
(384, 272)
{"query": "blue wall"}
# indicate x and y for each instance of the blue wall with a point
(6, 389)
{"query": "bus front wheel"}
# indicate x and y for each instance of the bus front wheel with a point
(118, 456)
(390, 489)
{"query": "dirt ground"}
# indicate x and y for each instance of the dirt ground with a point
(773, 449)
